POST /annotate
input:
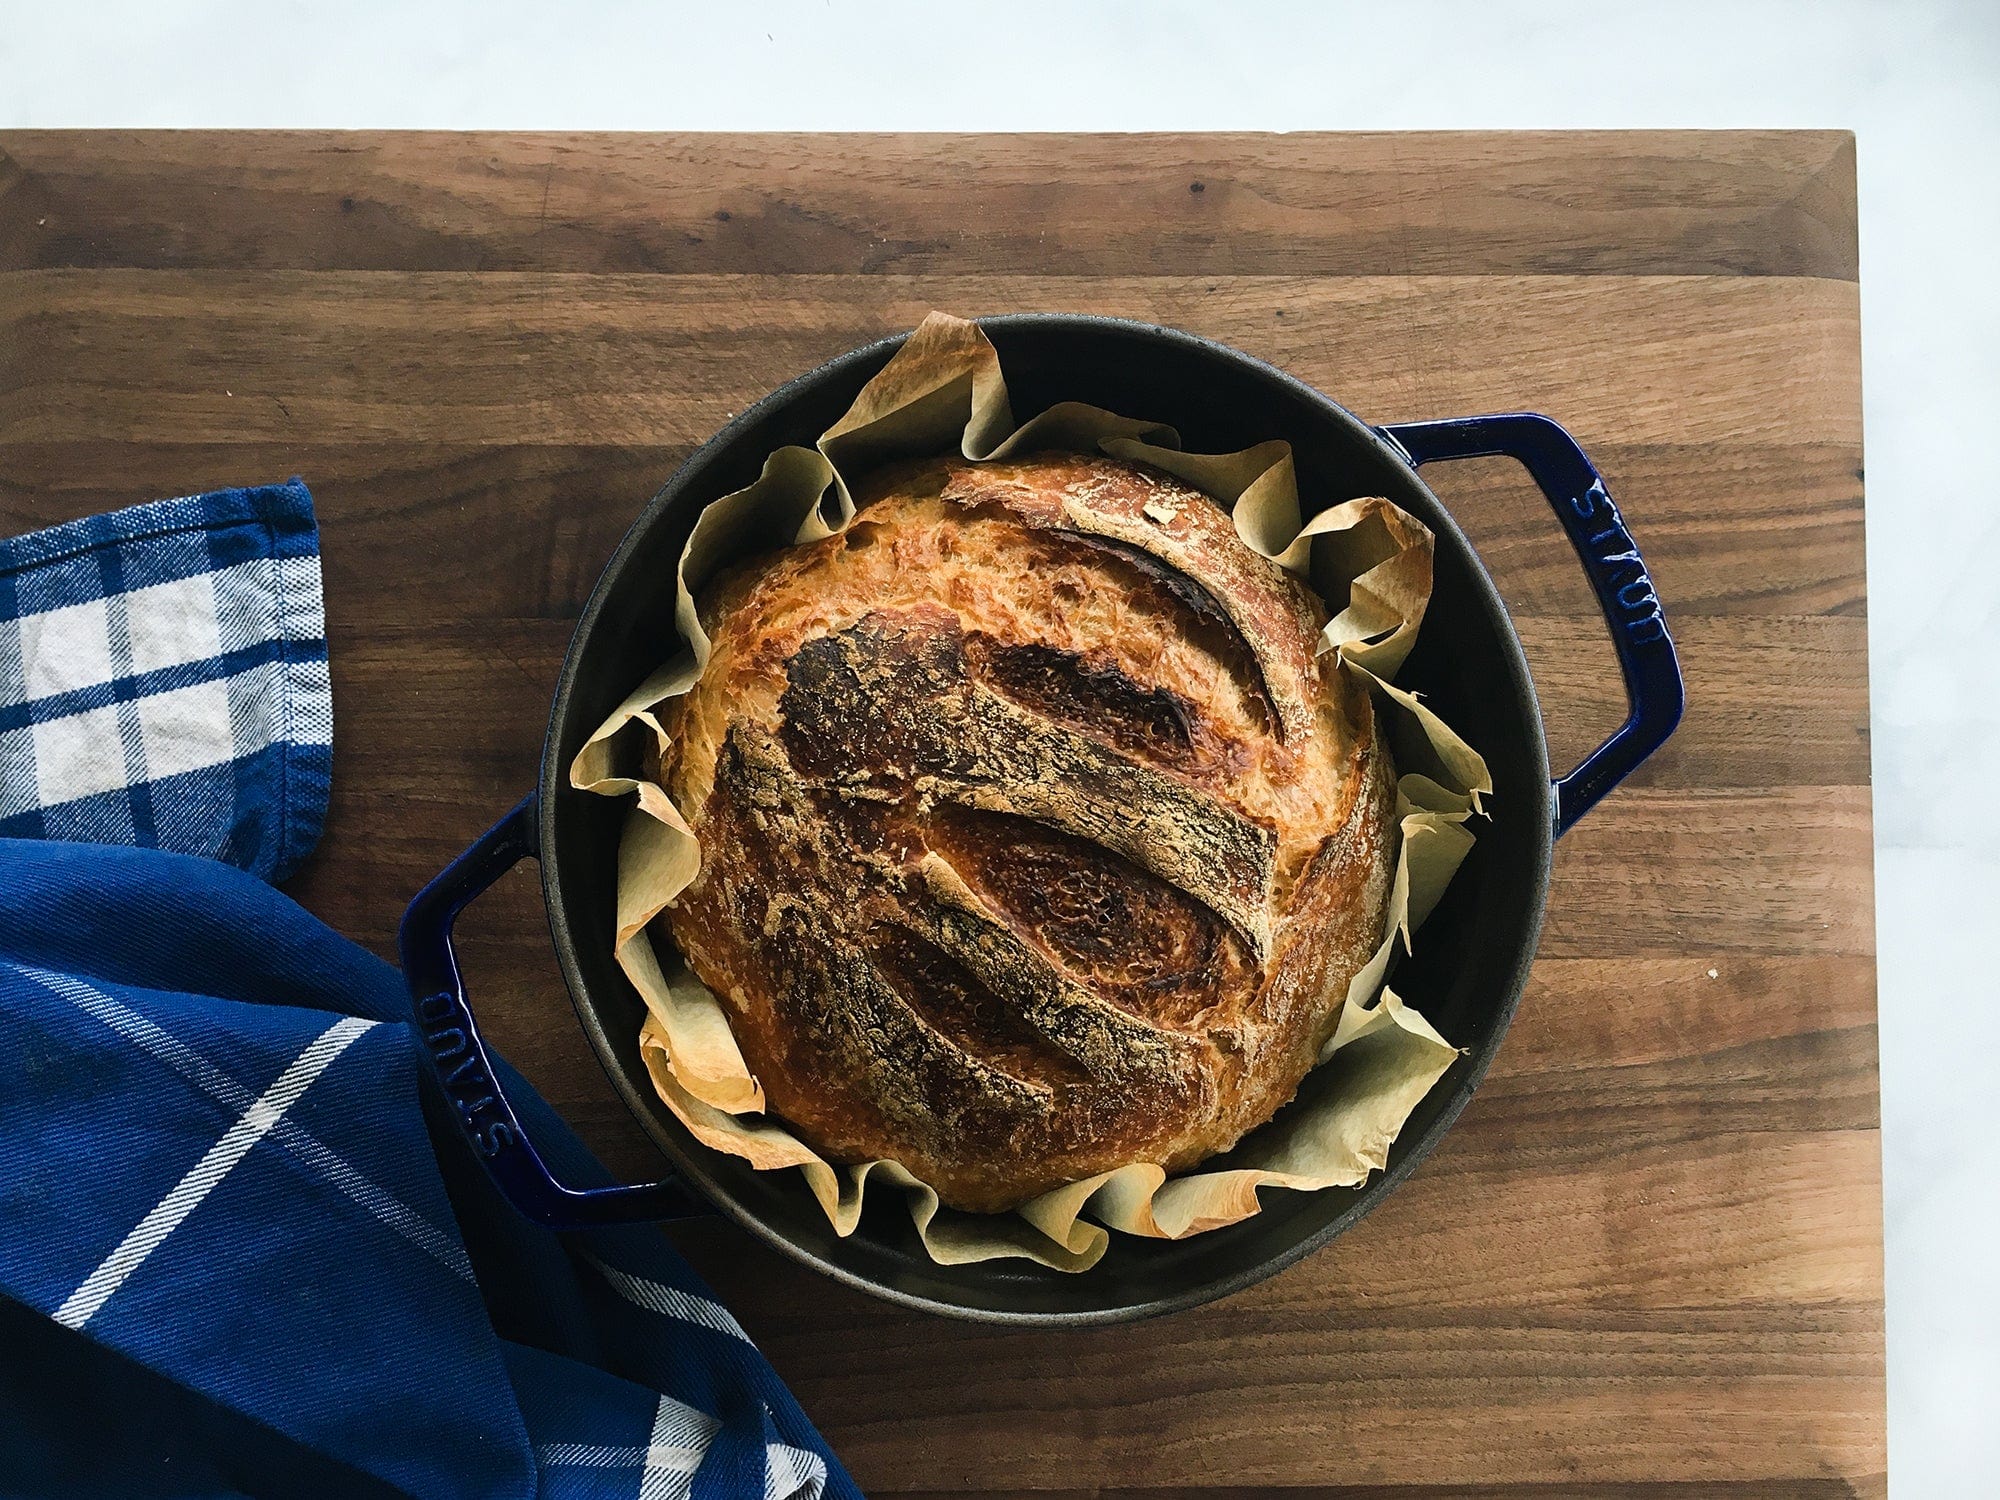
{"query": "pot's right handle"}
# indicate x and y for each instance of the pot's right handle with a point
(1653, 688)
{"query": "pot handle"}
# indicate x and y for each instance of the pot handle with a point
(1654, 692)
(464, 1070)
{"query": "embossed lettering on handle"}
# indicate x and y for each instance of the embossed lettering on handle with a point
(447, 1030)
(1654, 692)
(1613, 550)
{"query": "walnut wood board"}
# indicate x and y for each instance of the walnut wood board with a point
(1648, 1260)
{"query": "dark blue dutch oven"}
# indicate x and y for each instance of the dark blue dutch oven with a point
(1466, 976)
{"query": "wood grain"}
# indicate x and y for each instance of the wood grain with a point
(1684, 203)
(1647, 1262)
(540, 357)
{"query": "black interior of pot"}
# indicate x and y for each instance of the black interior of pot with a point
(1472, 956)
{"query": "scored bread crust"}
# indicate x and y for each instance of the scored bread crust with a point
(1035, 839)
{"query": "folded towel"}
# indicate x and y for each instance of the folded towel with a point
(163, 679)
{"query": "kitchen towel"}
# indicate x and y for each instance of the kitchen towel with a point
(234, 1258)
(163, 679)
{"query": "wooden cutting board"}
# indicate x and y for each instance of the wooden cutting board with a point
(1648, 1261)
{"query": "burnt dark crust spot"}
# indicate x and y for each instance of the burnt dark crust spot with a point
(876, 701)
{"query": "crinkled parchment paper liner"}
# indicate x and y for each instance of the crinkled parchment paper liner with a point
(1369, 560)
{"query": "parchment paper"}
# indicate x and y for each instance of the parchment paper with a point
(1370, 561)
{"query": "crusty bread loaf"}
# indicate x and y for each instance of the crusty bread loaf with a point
(1035, 840)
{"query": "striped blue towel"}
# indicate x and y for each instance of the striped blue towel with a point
(163, 679)
(234, 1257)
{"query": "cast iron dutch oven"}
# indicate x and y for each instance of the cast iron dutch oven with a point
(1466, 975)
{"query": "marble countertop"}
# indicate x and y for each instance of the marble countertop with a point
(1916, 85)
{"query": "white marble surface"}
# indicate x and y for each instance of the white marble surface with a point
(1919, 83)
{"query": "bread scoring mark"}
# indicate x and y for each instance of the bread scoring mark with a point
(1091, 692)
(881, 701)
(896, 1000)
(1210, 621)
(1146, 947)
(1202, 618)
(966, 1011)
(1116, 1047)
(1186, 837)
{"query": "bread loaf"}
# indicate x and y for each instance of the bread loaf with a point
(1035, 839)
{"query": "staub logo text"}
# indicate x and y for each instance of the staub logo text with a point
(464, 1076)
(1611, 547)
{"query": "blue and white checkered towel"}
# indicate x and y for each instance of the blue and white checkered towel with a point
(234, 1259)
(163, 679)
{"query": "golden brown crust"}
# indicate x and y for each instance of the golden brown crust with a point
(1035, 839)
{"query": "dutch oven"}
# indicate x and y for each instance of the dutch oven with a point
(1466, 976)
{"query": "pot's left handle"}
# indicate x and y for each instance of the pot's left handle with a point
(463, 1069)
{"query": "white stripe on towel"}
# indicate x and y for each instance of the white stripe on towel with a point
(290, 1137)
(670, 1301)
(678, 1443)
(680, 1437)
(792, 1473)
(217, 1163)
